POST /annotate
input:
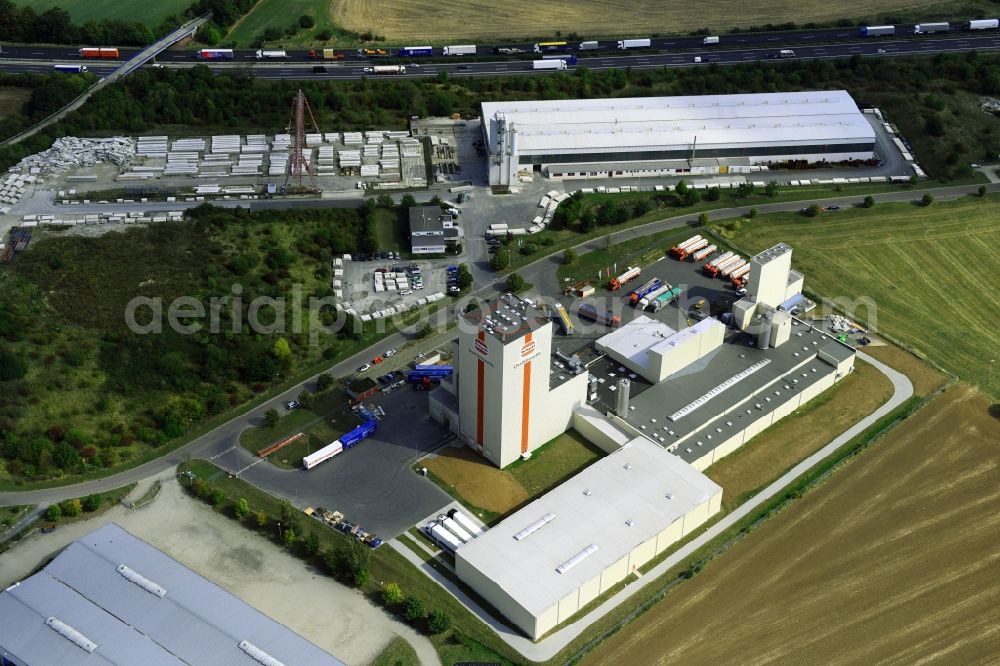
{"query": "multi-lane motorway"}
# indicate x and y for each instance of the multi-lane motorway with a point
(675, 52)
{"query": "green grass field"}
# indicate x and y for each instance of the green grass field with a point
(148, 13)
(282, 14)
(926, 270)
(397, 653)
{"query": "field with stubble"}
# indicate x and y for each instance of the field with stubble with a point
(892, 559)
(443, 20)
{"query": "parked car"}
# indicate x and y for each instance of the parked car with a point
(833, 207)
(406, 292)
(377, 360)
(291, 404)
(364, 368)
(375, 542)
(389, 352)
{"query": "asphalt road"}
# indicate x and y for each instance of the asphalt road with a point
(736, 49)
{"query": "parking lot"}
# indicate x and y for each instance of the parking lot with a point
(411, 280)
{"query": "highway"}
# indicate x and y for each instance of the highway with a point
(734, 49)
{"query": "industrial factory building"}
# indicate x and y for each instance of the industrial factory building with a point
(550, 559)
(111, 598)
(508, 395)
(664, 404)
(641, 135)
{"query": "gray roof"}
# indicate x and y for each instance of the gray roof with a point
(637, 123)
(621, 501)
(425, 218)
(193, 622)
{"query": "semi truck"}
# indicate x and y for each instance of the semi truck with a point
(549, 47)
(507, 50)
(710, 40)
(564, 320)
(102, 52)
(412, 51)
(214, 54)
(589, 46)
(262, 54)
(430, 372)
(739, 274)
(877, 30)
(719, 259)
(715, 271)
(653, 295)
(386, 69)
(630, 274)
(462, 49)
(647, 288)
(703, 253)
(634, 43)
(663, 299)
(70, 68)
(567, 58)
(548, 64)
(442, 537)
(455, 529)
(357, 434)
(681, 246)
(324, 454)
(467, 523)
(686, 252)
(930, 28)
(590, 313)
(731, 268)
(983, 24)
(325, 54)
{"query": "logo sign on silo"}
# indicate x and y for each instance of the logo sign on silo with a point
(482, 348)
(527, 349)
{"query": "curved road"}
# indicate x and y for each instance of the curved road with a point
(541, 273)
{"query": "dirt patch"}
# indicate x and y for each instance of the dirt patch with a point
(925, 379)
(800, 434)
(476, 480)
(893, 559)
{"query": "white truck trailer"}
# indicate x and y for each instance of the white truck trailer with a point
(548, 64)
(634, 43)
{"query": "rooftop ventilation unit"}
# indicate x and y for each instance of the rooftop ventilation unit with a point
(143, 582)
(71, 634)
(576, 559)
(537, 525)
(259, 655)
(588, 492)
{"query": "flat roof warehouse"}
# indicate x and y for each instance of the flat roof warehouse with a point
(647, 123)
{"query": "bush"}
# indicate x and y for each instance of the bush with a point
(569, 256)
(53, 513)
(200, 487)
(324, 381)
(91, 503)
(438, 622)
(413, 609)
(361, 577)
(242, 509)
(261, 519)
(811, 211)
(71, 508)
(324, 35)
(771, 188)
(515, 283)
(311, 544)
(271, 417)
(289, 536)
(982, 190)
(408, 201)
(702, 219)
(217, 497)
(713, 194)
(306, 21)
(464, 276)
(391, 594)
(868, 202)
(927, 199)
(12, 366)
(499, 260)
(752, 213)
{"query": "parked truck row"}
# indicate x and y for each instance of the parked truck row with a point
(340, 445)
(452, 530)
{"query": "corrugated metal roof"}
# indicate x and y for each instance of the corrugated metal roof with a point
(638, 123)
(591, 508)
(195, 621)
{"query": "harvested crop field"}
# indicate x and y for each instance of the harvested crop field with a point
(437, 20)
(748, 469)
(892, 559)
(915, 273)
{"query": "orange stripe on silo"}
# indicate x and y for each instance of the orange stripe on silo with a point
(480, 383)
(526, 401)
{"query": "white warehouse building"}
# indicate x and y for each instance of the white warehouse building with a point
(581, 137)
(544, 563)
